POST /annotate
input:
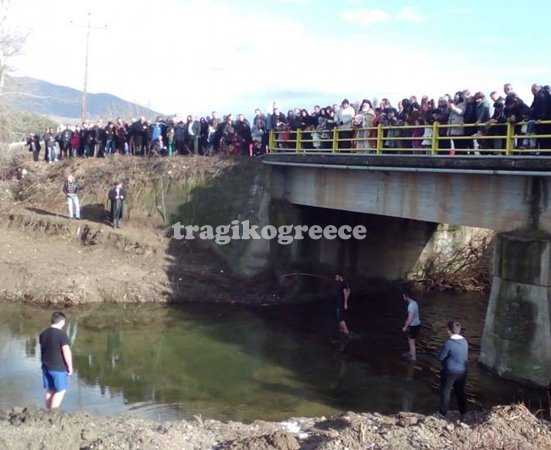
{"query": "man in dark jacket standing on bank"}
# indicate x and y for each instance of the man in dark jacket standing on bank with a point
(454, 356)
(116, 197)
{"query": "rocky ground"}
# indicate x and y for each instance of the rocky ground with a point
(47, 258)
(504, 427)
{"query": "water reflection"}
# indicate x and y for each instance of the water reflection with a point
(244, 363)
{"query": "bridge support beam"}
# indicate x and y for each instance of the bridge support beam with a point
(516, 343)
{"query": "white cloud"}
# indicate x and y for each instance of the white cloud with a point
(365, 17)
(368, 17)
(200, 55)
(460, 11)
(411, 14)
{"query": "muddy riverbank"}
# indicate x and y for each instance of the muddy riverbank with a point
(504, 427)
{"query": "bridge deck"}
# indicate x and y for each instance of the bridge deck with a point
(506, 165)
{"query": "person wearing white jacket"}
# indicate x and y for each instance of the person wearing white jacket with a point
(343, 119)
(457, 110)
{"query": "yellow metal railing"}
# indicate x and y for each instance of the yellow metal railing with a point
(496, 138)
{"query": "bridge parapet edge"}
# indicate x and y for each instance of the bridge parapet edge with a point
(538, 165)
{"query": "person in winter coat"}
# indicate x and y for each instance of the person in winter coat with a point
(454, 356)
(116, 197)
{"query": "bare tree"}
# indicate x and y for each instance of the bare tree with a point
(11, 43)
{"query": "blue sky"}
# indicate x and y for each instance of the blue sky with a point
(191, 56)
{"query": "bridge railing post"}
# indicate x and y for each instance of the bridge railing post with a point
(271, 142)
(510, 139)
(434, 150)
(335, 139)
(298, 141)
(379, 139)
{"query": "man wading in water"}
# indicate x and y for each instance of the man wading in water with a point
(57, 360)
(343, 294)
(411, 325)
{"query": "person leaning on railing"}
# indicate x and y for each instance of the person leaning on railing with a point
(517, 111)
(496, 126)
(404, 119)
(457, 131)
(469, 118)
(540, 110)
(482, 111)
(363, 121)
(441, 114)
(344, 118)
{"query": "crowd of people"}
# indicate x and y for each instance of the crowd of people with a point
(467, 122)
(163, 136)
(470, 121)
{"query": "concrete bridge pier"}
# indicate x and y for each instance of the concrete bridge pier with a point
(516, 343)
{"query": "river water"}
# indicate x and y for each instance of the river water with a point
(233, 362)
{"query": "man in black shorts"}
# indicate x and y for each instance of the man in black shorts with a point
(57, 360)
(412, 325)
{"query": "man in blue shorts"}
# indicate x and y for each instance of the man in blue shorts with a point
(57, 360)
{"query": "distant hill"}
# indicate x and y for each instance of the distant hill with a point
(40, 97)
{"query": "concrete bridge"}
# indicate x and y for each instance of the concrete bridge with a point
(509, 194)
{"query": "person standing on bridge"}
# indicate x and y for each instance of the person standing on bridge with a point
(344, 118)
(412, 325)
(454, 356)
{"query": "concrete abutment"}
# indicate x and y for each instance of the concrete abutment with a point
(516, 342)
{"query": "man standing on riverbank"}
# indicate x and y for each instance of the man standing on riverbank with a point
(57, 360)
(71, 190)
(116, 197)
(412, 324)
(454, 356)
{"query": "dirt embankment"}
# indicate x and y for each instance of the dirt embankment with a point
(505, 427)
(47, 258)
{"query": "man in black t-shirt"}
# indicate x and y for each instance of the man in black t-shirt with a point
(343, 293)
(57, 360)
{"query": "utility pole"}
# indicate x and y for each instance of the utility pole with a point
(88, 27)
